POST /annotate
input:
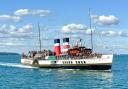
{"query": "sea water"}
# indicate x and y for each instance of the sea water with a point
(13, 75)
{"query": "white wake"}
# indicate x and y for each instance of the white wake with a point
(15, 65)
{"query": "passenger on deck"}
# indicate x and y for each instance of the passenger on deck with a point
(23, 55)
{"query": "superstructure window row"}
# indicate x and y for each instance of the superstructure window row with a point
(76, 62)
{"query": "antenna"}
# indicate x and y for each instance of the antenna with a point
(39, 35)
(90, 24)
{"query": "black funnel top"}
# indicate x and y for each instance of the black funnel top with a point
(56, 40)
(65, 40)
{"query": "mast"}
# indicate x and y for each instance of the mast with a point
(90, 25)
(39, 36)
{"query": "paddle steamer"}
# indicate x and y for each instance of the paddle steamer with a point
(76, 57)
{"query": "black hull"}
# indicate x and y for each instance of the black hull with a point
(90, 67)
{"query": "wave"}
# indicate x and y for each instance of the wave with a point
(15, 65)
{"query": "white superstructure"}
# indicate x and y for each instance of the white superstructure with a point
(103, 63)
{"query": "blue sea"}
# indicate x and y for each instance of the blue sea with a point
(13, 75)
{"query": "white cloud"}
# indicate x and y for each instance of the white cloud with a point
(14, 32)
(76, 29)
(105, 20)
(21, 12)
(120, 33)
(108, 20)
(88, 31)
(114, 33)
(25, 28)
(24, 12)
(70, 28)
(9, 44)
(9, 18)
(109, 33)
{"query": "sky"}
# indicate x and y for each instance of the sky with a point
(64, 18)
